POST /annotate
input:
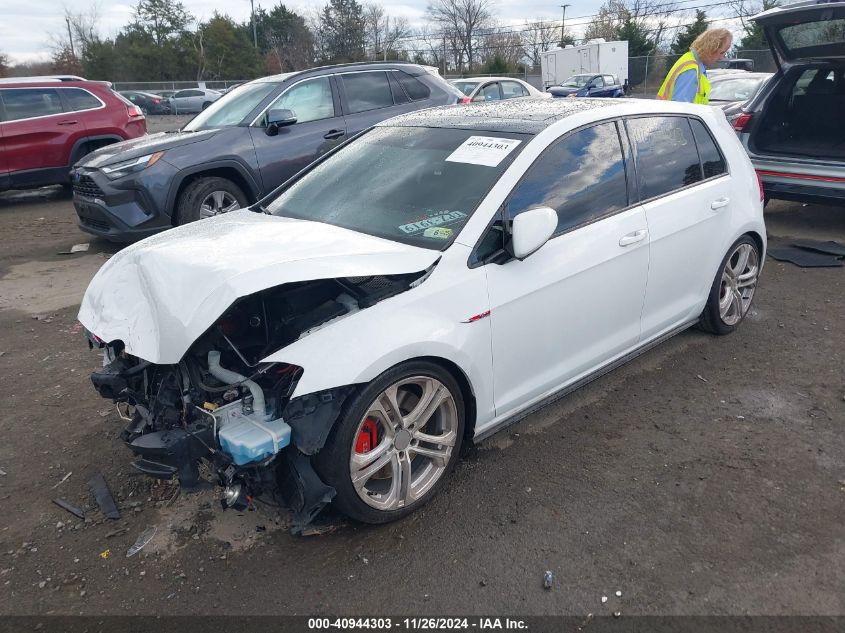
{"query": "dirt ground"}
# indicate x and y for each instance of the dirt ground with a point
(706, 477)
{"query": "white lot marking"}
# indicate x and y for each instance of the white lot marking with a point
(47, 286)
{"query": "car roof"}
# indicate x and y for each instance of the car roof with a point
(54, 83)
(529, 115)
(488, 79)
(415, 69)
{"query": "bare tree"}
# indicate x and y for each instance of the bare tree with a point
(461, 21)
(507, 45)
(382, 31)
(539, 36)
(651, 16)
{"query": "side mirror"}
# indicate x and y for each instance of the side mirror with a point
(530, 230)
(279, 118)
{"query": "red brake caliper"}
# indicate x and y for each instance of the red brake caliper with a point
(368, 437)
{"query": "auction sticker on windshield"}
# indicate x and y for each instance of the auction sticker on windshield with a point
(449, 217)
(483, 150)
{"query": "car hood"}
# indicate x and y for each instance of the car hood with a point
(159, 295)
(127, 150)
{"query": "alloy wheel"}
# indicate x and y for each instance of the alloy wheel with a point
(218, 202)
(739, 280)
(410, 432)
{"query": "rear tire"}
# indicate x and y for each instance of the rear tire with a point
(733, 288)
(205, 197)
(206, 104)
(407, 409)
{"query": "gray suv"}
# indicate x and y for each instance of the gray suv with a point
(793, 128)
(242, 146)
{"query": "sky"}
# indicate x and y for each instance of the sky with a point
(28, 28)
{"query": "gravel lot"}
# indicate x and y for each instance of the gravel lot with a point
(706, 477)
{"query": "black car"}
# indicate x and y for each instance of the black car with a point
(243, 146)
(148, 102)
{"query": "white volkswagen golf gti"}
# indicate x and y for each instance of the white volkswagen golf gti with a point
(421, 287)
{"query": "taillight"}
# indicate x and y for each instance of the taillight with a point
(465, 100)
(760, 184)
(741, 121)
(156, 101)
(134, 111)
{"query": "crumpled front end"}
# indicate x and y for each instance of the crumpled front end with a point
(221, 410)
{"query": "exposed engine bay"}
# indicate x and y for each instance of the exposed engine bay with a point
(222, 406)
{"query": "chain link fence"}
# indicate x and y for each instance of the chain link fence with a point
(646, 74)
(173, 86)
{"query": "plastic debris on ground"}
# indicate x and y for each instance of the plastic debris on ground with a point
(548, 580)
(76, 248)
(65, 505)
(141, 542)
(98, 487)
(105, 554)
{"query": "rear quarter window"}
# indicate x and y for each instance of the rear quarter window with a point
(415, 89)
(78, 99)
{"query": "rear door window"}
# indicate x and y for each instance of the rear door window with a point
(712, 161)
(665, 154)
(511, 89)
(581, 176)
(490, 92)
(29, 103)
(367, 91)
(78, 99)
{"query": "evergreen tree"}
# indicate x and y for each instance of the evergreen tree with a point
(639, 43)
(342, 31)
(754, 38)
(687, 36)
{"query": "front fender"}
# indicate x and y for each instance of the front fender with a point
(427, 321)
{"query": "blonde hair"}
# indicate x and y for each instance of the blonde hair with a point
(709, 42)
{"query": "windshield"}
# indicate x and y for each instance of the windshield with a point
(740, 89)
(418, 186)
(231, 108)
(576, 81)
(466, 86)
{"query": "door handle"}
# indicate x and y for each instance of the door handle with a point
(633, 238)
(332, 134)
(68, 122)
(721, 202)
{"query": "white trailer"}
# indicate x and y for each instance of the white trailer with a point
(610, 58)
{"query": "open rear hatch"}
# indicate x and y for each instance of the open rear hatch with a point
(812, 30)
(803, 116)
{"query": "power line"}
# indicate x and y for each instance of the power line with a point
(655, 11)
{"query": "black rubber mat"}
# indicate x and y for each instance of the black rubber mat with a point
(831, 248)
(804, 258)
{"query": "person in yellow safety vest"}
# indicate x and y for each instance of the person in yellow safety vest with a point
(687, 80)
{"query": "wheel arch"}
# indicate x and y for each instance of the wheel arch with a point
(230, 170)
(88, 144)
(466, 390)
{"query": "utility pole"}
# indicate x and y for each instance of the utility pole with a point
(254, 30)
(386, 37)
(70, 37)
(563, 22)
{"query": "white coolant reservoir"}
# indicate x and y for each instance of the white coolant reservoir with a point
(246, 438)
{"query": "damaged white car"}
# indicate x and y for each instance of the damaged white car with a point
(419, 288)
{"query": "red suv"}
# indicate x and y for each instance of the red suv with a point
(46, 125)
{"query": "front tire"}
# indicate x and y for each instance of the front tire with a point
(733, 288)
(395, 444)
(207, 197)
